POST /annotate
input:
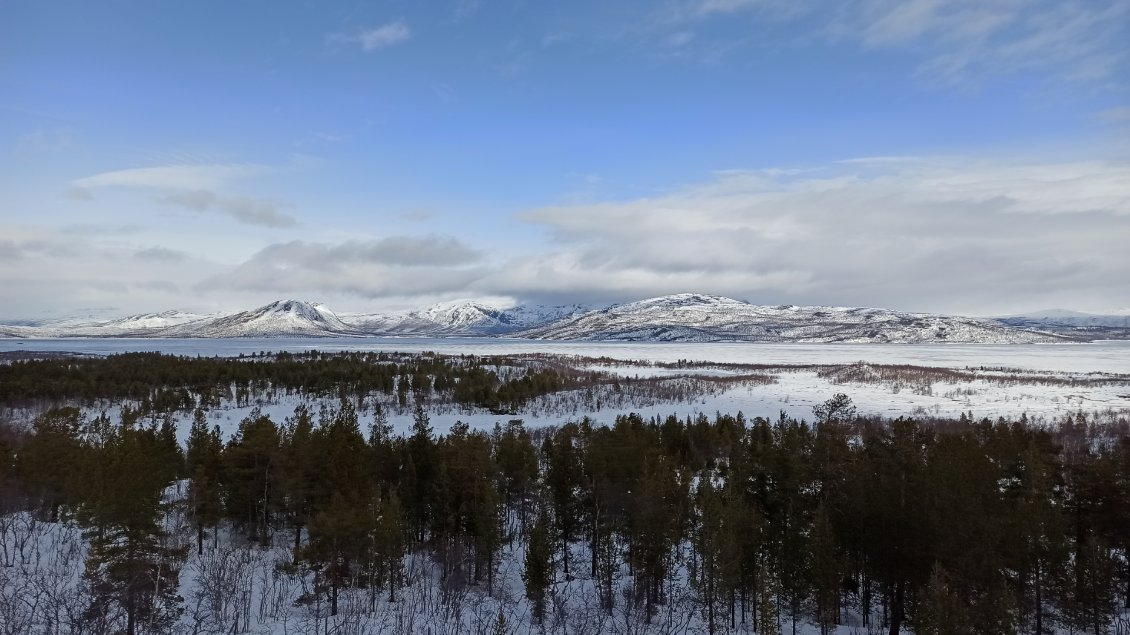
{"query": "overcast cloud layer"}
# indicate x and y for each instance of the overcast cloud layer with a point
(927, 155)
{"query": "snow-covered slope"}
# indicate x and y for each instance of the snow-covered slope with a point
(17, 331)
(682, 318)
(143, 325)
(133, 325)
(282, 318)
(704, 318)
(465, 318)
(1073, 323)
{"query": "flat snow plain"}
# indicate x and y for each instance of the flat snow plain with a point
(795, 392)
(1102, 356)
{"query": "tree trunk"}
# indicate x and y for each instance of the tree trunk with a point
(592, 547)
(131, 614)
(565, 555)
(392, 580)
(897, 608)
(1039, 603)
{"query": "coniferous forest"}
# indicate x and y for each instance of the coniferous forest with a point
(112, 522)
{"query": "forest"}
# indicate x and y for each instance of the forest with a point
(841, 523)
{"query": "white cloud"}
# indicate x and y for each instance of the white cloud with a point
(185, 177)
(936, 234)
(949, 234)
(51, 272)
(392, 266)
(192, 187)
(377, 38)
(928, 234)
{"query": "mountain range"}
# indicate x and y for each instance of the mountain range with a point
(684, 317)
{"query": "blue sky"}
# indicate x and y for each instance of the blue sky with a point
(935, 155)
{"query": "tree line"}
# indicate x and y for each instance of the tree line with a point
(158, 383)
(949, 526)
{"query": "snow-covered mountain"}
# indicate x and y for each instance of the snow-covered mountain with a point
(1065, 322)
(90, 326)
(465, 318)
(682, 318)
(130, 326)
(282, 318)
(704, 318)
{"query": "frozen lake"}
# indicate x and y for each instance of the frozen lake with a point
(1107, 356)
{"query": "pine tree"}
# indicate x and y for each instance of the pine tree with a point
(517, 462)
(389, 543)
(339, 539)
(46, 461)
(653, 527)
(251, 470)
(564, 478)
(420, 474)
(941, 611)
(826, 571)
(767, 595)
(538, 571)
(204, 463)
(709, 543)
(129, 565)
(300, 465)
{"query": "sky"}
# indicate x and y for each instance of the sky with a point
(953, 156)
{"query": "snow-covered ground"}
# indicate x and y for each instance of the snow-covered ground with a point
(1104, 356)
(234, 587)
(794, 391)
(232, 581)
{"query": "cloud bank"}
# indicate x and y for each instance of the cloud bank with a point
(946, 234)
(912, 233)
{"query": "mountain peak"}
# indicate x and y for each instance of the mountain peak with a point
(684, 299)
(683, 317)
(695, 317)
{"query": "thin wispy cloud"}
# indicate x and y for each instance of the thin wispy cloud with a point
(160, 254)
(1114, 116)
(193, 187)
(711, 7)
(263, 212)
(958, 41)
(186, 177)
(378, 37)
